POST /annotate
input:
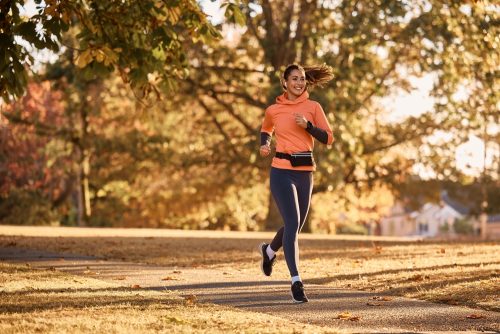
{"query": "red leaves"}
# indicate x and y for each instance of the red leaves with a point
(31, 122)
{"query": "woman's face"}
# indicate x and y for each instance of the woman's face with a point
(296, 83)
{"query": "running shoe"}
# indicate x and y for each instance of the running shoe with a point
(298, 293)
(266, 265)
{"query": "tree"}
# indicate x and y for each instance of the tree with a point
(374, 47)
(35, 161)
(145, 41)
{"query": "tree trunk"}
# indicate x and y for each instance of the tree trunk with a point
(79, 199)
(85, 184)
(84, 207)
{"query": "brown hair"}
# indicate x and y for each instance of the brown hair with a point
(317, 75)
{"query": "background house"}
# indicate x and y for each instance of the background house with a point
(398, 222)
(431, 220)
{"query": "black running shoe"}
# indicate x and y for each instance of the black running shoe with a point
(266, 264)
(298, 293)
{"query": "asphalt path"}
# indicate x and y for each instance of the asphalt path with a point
(341, 310)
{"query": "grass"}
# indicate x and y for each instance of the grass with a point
(457, 273)
(54, 302)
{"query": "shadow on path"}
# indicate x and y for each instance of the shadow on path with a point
(259, 294)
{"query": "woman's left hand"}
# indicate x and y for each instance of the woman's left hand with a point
(300, 120)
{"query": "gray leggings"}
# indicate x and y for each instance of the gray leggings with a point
(291, 190)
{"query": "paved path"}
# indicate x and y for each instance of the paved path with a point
(252, 291)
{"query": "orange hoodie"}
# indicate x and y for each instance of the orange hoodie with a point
(290, 137)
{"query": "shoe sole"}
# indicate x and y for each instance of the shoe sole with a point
(262, 259)
(295, 301)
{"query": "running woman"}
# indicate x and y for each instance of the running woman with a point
(296, 121)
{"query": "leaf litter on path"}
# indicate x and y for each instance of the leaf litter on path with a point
(347, 316)
(382, 298)
(191, 299)
(475, 316)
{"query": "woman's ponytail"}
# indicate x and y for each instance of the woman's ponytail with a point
(317, 75)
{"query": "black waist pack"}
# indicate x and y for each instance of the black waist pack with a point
(298, 159)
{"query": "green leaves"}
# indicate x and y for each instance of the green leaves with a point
(151, 35)
(233, 14)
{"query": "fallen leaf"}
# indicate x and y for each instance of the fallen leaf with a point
(417, 278)
(373, 304)
(168, 278)
(443, 250)
(384, 298)
(135, 286)
(191, 299)
(475, 316)
(451, 302)
(347, 316)
(175, 320)
(344, 315)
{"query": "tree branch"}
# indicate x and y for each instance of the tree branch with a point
(244, 96)
(229, 108)
(254, 31)
(219, 126)
(228, 68)
(288, 20)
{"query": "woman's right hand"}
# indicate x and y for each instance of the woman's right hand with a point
(265, 150)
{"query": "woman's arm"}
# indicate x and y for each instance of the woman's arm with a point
(266, 132)
(321, 130)
(320, 134)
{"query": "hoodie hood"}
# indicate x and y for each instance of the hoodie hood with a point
(282, 99)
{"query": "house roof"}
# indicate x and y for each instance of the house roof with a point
(462, 209)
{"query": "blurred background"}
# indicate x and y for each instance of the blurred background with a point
(147, 113)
